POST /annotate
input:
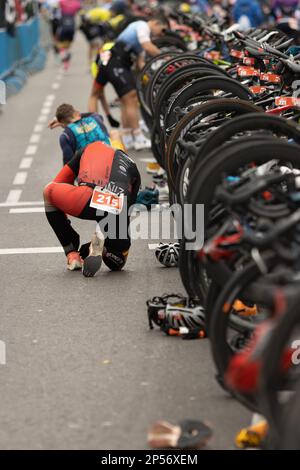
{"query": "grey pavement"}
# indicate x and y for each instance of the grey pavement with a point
(82, 369)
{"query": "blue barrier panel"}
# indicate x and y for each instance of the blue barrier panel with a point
(3, 63)
(14, 49)
(28, 38)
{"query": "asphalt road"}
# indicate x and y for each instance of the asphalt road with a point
(82, 369)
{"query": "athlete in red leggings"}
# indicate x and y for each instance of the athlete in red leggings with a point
(113, 173)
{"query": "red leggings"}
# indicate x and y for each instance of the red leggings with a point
(61, 198)
(63, 195)
(68, 198)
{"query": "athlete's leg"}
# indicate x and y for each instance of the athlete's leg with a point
(130, 110)
(61, 199)
(117, 241)
(115, 253)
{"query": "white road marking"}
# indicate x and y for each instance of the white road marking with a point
(31, 150)
(26, 163)
(20, 177)
(21, 203)
(26, 210)
(42, 119)
(13, 196)
(48, 104)
(30, 251)
(34, 139)
(50, 97)
(38, 128)
(55, 86)
(147, 160)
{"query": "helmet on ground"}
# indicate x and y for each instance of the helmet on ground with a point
(190, 317)
(168, 254)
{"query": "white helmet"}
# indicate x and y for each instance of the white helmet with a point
(188, 316)
(168, 254)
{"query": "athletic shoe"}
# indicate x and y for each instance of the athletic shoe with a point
(159, 176)
(163, 190)
(129, 146)
(141, 142)
(252, 436)
(153, 168)
(128, 141)
(74, 261)
(115, 261)
(92, 263)
(143, 126)
(66, 65)
(244, 310)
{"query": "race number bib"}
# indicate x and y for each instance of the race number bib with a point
(287, 101)
(245, 71)
(106, 201)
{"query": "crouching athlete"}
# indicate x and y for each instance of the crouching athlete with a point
(108, 183)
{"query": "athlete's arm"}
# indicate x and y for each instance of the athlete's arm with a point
(94, 97)
(74, 164)
(54, 123)
(144, 37)
(66, 175)
(103, 101)
(97, 93)
(150, 48)
(140, 62)
(68, 146)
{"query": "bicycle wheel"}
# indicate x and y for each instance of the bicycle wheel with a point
(207, 177)
(271, 377)
(167, 69)
(228, 130)
(204, 86)
(226, 108)
(144, 79)
(234, 155)
(171, 41)
(220, 323)
(172, 87)
(276, 125)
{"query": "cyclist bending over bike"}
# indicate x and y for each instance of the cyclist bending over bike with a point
(115, 68)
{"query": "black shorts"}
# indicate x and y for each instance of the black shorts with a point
(121, 77)
(92, 31)
(54, 25)
(66, 29)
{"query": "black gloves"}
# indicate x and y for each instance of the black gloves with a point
(113, 122)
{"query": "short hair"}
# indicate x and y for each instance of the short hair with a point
(161, 18)
(64, 113)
